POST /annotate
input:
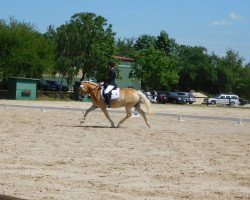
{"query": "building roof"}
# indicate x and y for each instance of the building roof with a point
(124, 58)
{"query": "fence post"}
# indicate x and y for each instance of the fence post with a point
(239, 122)
(43, 109)
(179, 118)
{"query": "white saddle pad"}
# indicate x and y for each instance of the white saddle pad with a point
(114, 93)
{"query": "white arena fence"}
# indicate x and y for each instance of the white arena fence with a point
(180, 117)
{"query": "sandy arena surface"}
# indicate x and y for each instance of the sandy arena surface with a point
(50, 156)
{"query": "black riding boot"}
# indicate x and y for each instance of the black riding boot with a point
(107, 99)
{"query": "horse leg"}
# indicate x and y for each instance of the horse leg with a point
(104, 110)
(138, 108)
(93, 107)
(128, 111)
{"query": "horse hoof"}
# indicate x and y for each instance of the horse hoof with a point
(81, 122)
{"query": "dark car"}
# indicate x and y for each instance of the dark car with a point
(181, 97)
(242, 102)
(58, 85)
(44, 85)
(162, 97)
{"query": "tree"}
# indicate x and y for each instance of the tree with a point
(24, 51)
(125, 47)
(166, 44)
(145, 42)
(155, 69)
(243, 83)
(228, 72)
(84, 43)
(196, 71)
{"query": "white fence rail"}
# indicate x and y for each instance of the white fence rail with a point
(180, 117)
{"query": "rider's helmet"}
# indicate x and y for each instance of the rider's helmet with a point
(111, 63)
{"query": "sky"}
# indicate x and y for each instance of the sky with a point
(217, 25)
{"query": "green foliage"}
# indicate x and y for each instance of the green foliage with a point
(196, 71)
(24, 51)
(243, 83)
(145, 42)
(155, 63)
(84, 43)
(125, 48)
(166, 44)
(155, 69)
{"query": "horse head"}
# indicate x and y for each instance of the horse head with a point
(87, 87)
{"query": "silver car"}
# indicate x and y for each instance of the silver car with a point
(228, 99)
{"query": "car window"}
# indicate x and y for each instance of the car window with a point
(173, 93)
(161, 93)
(221, 97)
(227, 97)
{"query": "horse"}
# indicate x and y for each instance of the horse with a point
(128, 98)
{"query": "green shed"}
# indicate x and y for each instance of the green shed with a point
(125, 69)
(22, 88)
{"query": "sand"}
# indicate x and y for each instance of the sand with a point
(50, 155)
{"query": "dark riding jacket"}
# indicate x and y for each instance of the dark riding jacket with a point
(111, 77)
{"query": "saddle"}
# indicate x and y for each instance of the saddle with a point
(115, 93)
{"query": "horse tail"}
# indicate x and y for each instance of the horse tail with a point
(145, 101)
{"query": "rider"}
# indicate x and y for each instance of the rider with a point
(111, 83)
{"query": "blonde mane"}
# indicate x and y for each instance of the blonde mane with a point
(91, 83)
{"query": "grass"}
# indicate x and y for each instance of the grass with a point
(55, 95)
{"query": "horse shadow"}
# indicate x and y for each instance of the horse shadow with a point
(92, 126)
(5, 197)
(84, 126)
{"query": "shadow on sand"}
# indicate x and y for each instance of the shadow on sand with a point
(5, 197)
(83, 126)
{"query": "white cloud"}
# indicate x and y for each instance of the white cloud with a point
(236, 17)
(222, 22)
(233, 17)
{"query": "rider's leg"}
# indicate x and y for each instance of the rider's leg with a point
(107, 95)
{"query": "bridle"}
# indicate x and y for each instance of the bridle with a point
(82, 86)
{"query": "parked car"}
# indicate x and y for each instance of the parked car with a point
(227, 99)
(148, 95)
(58, 85)
(181, 97)
(44, 85)
(154, 96)
(243, 102)
(162, 96)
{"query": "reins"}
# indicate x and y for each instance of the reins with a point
(97, 86)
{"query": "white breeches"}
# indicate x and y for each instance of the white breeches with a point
(108, 89)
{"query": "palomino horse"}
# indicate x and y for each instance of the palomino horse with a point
(128, 98)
